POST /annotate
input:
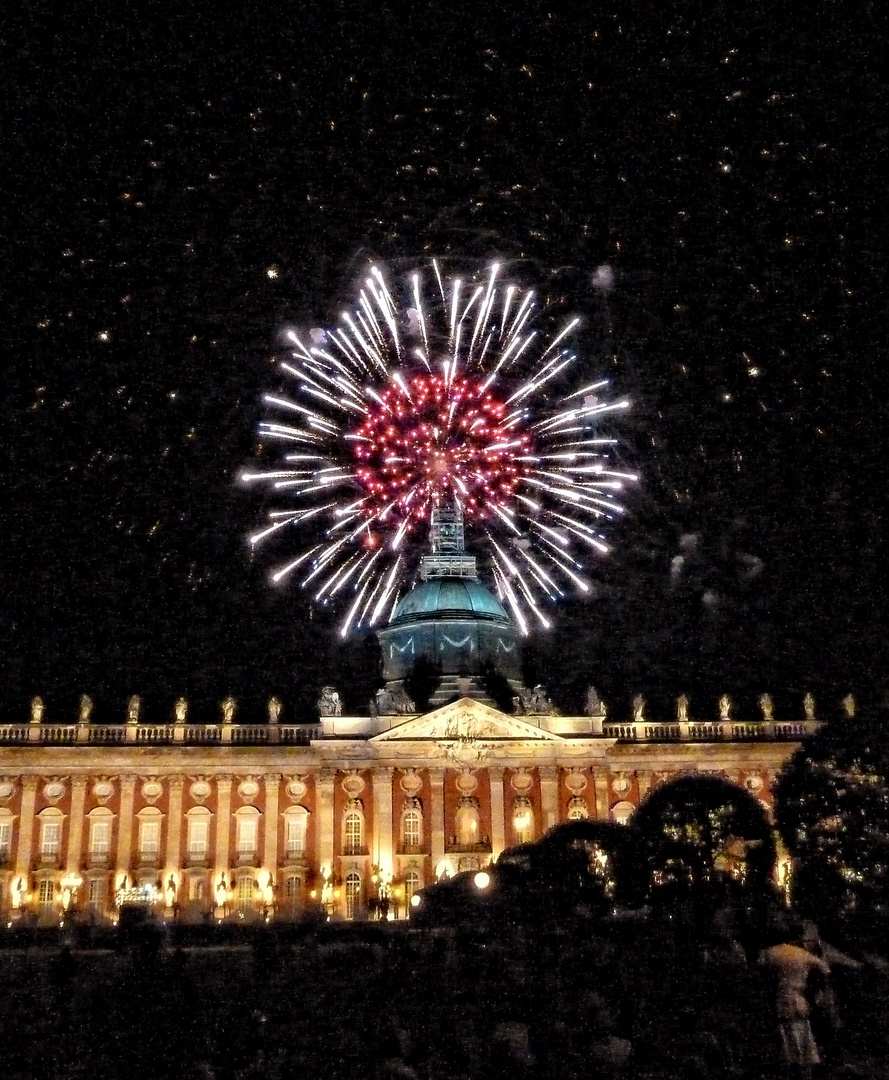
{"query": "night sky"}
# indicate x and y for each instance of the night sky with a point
(180, 188)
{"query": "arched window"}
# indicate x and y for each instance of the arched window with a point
(296, 820)
(99, 840)
(244, 894)
(577, 809)
(468, 824)
(246, 832)
(622, 812)
(198, 834)
(293, 894)
(353, 894)
(411, 886)
(51, 820)
(412, 828)
(353, 833)
(523, 820)
(149, 834)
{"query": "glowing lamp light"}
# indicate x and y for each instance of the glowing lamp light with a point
(482, 880)
(416, 900)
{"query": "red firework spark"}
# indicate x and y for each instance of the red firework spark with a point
(428, 438)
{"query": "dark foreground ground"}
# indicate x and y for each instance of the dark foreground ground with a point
(642, 1000)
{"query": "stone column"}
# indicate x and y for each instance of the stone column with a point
(600, 785)
(498, 819)
(383, 849)
(26, 828)
(270, 834)
(436, 779)
(549, 795)
(223, 826)
(125, 828)
(325, 819)
(75, 832)
(174, 829)
(644, 781)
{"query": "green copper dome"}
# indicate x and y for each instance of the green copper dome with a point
(454, 598)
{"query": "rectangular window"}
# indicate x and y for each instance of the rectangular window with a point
(149, 838)
(246, 835)
(46, 894)
(5, 839)
(295, 836)
(50, 839)
(96, 894)
(100, 837)
(198, 839)
(196, 887)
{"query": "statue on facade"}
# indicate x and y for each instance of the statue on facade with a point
(809, 706)
(404, 706)
(534, 702)
(848, 706)
(638, 709)
(767, 707)
(392, 702)
(329, 703)
(594, 705)
(180, 710)
(134, 707)
(86, 709)
(682, 709)
(36, 710)
(228, 710)
(274, 710)
(725, 709)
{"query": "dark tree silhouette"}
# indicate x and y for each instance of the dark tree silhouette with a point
(832, 803)
(697, 834)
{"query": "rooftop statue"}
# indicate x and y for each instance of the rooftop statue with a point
(682, 709)
(36, 710)
(274, 710)
(180, 710)
(768, 711)
(594, 705)
(638, 709)
(725, 709)
(228, 710)
(809, 707)
(329, 703)
(134, 708)
(86, 709)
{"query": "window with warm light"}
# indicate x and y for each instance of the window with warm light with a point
(295, 822)
(198, 838)
(468, 826)
(100, 838)
(5, 840)
(293, 890)
(149, 839)
(411, 828)
(46, 894)
(411, 885)
(197, 890)
(353, 894)
(97, 892)
(353, 833)
(246, 835)
(523, 822)
(50, 839)
(245, 894)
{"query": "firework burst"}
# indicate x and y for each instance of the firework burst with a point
(443, 395)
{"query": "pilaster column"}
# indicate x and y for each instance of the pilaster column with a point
(498, 820)
(644, 781)
(174, 827)
(325, 819)
(26, 826)
(600, 785)
(125, 827)
(436, 780)
(223, 825)
(382, 798)
(75, 830)
(549, 795)
(270, 835)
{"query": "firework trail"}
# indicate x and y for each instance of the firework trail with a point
(440, 393)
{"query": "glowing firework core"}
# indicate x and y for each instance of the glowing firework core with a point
(430, 440)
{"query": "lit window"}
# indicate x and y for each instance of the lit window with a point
(100, 837)
(5, 840)
(245, 893)
(50, 839)
(196, 889)
(46, 894)
(293, 888)
(577, 810)
(246, 835)
(198, 838)
(96, 894)
(295, 834)
(411, 885)
(411, 828)
(467, 826)
(523, 821)
(149, 839)
(353, 895)
(352, 834)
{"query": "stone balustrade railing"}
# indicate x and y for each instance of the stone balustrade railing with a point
(710, 731)
(168, 734)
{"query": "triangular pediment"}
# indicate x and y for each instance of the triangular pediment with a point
(466, 719)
